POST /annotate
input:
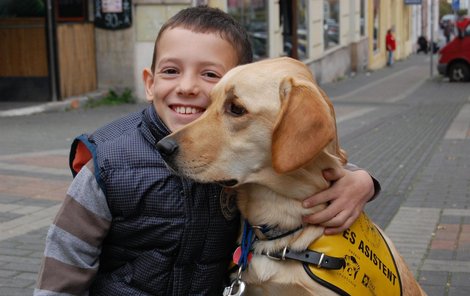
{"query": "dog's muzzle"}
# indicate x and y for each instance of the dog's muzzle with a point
(167, 148)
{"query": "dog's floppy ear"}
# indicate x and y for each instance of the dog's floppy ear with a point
(305, 125)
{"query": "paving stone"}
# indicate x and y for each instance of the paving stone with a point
(459, 291)
(16, 282)
(8, 291)
(440, 254)
(461, 279)
(7, 273)
(433, 278)
(433, 290)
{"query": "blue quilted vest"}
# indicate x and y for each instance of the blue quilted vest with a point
(169, 235)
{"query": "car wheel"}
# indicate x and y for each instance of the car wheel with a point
(459, 71)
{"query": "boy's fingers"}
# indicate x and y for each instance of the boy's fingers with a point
(336, 221)
(323, 216)
(319, 198)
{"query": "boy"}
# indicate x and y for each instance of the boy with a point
(128, 226)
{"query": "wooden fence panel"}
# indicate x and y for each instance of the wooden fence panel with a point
(77, 59)
(23, 51)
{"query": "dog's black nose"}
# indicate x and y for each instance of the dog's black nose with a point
(167, 147)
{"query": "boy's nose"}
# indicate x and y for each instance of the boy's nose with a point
(188, 86)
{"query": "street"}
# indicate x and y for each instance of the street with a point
(409, 131)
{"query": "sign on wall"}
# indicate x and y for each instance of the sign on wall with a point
(413, 2)
(113, 14)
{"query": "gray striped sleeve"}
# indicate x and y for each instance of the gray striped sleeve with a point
(67, 248)
(86, 191)
(74, 241)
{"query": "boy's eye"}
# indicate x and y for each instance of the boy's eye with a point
(212, 75)
(169, 71)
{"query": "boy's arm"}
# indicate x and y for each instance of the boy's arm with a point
(346, 198)
(74, 240)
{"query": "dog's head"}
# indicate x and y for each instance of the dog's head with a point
(266, 117)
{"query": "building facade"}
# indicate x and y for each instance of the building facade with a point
(335, 38)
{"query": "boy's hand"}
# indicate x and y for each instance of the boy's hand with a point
(346, 198)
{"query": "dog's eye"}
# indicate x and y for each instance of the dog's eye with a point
(236, 110)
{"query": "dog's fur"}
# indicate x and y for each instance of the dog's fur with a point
(271, 129)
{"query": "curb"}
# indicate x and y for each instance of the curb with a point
(71, 103)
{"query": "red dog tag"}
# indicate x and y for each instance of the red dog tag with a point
(238, 253)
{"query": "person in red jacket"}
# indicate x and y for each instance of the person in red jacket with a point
(391, 45)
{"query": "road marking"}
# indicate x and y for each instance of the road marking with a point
(354, 114)
(32, 154)
(460, 127)
(34, 169)
(404, 94)
(374, 83)
(456, 212)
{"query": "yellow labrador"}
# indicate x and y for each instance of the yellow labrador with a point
(269, 132)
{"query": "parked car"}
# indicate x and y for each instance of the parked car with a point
(331, 31)
(452, 18)
(454, 57)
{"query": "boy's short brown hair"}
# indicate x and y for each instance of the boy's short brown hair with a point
(204, 19)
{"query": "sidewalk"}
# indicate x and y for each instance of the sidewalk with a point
(411, 132)
(416, 140)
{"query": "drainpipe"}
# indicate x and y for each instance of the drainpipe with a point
(432, 39)
(52, 51)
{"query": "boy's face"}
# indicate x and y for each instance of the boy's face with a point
(187, 66)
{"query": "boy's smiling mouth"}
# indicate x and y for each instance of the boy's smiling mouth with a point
(187, 109)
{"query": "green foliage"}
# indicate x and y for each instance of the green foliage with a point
(444, 8)
(113, 98)
(462, 12)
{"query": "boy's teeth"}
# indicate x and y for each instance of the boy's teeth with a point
(186, 110)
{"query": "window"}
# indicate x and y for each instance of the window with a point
(330, 23)
(71, 10)
(376, 21)
(253, 16)
(23, 8)
(294, 20)
(302, 25)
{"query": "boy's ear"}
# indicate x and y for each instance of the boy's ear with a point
(147, 77)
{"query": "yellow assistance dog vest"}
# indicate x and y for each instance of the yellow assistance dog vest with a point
(370, 268)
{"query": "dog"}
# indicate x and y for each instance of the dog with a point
(269, 132)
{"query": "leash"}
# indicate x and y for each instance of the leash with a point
(247, 241)
(238, 286)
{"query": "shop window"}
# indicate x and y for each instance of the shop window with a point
(331, 23)
(376, 20)
(71, 10)
(253, 16)
(23, 8)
